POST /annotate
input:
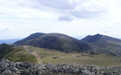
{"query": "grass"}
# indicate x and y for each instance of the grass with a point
(56, 57)
(19, 54)
(100, 60)
(45, 56)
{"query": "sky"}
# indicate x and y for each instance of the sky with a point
(77, 18)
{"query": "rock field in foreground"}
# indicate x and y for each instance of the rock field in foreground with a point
(23, 68)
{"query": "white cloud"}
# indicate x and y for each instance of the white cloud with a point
(19, 18)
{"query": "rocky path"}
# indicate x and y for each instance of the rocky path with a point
(33, 53)
(37, 57)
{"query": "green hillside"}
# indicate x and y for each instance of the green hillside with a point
(15, 54)
(45, 56)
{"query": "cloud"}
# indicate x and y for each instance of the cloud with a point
(73, 17)
(76, 8)
(57, 4)
(87, 14)
(65, 18)
(62, 8)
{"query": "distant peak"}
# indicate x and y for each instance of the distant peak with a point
(98, 35)
(38, 33)
(93, 38)
(34, 36)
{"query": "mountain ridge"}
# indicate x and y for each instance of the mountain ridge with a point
(57, 41)
(104, 44)
(92, 43)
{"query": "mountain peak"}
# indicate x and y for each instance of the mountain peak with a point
(56, 41)
(96, 43)
(36, 34)
(98, 35)
(93, 38)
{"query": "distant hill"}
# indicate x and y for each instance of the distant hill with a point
(8, 41)
(98, 43)
(103, 44)
(5, 49)
(14, 53)
(56, 41)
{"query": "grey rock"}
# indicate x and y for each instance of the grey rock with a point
(23, 68)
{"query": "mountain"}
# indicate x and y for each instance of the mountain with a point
(99, 44)
(51, 48)
(103, 44)
(8, 41)
(56, 41)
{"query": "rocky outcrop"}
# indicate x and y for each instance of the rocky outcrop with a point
(23, 68)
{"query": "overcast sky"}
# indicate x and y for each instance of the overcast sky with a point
(78, 18)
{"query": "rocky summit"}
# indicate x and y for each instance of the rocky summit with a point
(23, 68)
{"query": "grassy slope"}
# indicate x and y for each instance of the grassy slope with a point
(19, 54)
(55, 57)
